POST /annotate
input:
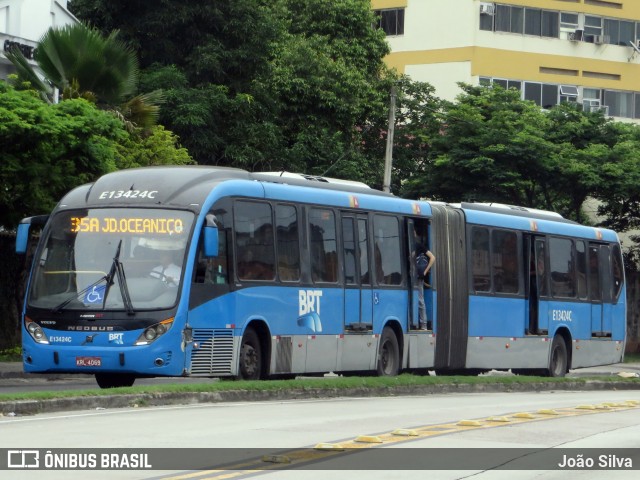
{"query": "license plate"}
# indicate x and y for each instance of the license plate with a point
(88, 361)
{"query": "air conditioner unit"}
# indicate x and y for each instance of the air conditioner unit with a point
(600, 39)
(597, 108)
(576, 36)
(591, 104)
(487, 9)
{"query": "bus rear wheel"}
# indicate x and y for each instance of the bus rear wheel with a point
(114, 380)
(250, 367)
(388, 354)
(558, 358)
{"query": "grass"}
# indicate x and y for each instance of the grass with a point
(307, 384)
(632, 358)
(11, 355)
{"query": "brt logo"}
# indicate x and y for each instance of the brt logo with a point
(309, 301)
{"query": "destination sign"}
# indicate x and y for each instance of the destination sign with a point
(159, 226)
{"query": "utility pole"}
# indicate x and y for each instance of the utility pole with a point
(388, 158)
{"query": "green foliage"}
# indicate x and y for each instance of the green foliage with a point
(13, 354)
(82, 63)
(260, 84)
(159, 147)
(48, 149)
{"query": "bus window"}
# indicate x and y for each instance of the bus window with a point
(213, 270)
(349, 246)
(563, 283)
(540, 267)
(594, 273)
(481, 276)
(618, 272)
(505, 261)
(364, 252)
(323, 244)
(388, 250)
(254, 241)
(581, 270)
(287, 238)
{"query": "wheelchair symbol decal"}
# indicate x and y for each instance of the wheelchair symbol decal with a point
(95, 295)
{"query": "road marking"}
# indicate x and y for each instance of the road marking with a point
(324, 451)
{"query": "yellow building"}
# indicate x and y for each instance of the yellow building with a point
(585, 51)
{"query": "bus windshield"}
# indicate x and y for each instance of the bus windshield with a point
(111, 259)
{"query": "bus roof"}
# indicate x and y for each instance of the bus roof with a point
(187, 186)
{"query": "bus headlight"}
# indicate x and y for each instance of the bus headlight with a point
(36, 331)
(152, 333)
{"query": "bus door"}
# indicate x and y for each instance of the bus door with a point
(413, 277)
(538, 286)
(600, 289)
(358, 296)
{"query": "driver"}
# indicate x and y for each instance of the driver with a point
(167, 271)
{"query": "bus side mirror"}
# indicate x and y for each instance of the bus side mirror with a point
(210, 241)
(22, 237)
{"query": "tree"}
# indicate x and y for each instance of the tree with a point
(491, 147)
(48, 149)
(82, 63)
(278, 84)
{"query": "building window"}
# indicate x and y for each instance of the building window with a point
(618, 32)
(509, 19)
(507, 84)
(637, 105)
(620, 104)
(568, 93)
(544, 95)
(592, 28)
(391, 21)
(569, 20)
(542, 23)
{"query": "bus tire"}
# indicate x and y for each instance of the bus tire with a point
(558, 358)
(388, 354)
(114, 380)
(250, 367)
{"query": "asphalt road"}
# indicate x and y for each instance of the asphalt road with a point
(522, 426)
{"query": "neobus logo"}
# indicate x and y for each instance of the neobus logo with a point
(309, 301)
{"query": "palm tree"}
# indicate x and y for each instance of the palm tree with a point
(80, 62)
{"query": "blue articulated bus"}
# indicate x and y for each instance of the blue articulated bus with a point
(218, 272)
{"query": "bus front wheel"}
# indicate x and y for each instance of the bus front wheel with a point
(388, 354)
(114, 380)
(250, 356)
(558, 358)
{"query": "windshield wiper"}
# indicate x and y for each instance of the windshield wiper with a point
(117, 268)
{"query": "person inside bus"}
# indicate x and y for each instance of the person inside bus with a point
(167, 271)
(421, 251)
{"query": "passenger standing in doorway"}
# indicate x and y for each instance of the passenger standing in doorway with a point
(424, 262)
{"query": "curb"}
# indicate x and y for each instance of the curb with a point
(32, 407)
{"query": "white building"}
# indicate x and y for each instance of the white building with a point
(586, 51)
(23, 22)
